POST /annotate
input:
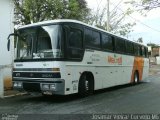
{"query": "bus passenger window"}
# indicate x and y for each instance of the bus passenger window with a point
(143, 51)
(96, 39)
(139, 51)
(107, 42)
(129, 47)
(75, 38)
(92, 38)
(136, 50)
(75, 43)
(146, 52)
(88, 37)
(120, 45)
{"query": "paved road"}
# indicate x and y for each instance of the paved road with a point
(137, 99)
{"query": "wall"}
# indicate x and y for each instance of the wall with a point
(158, 60)
(6, 27)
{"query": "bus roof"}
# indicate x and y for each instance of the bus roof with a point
(73, 21)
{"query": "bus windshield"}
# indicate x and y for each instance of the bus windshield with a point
(39, 42)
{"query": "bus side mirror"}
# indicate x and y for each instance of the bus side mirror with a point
(8, 44)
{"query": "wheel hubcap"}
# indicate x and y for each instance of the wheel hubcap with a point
(86, 85)
(136, 79)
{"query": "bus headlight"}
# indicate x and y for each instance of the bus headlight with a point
(15, 84)
(52, 87)
(45, 86)
(19, 84)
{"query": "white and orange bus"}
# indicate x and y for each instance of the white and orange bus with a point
(67, 56)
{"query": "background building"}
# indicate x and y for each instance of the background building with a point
(153, 49)
(6, 27)
(154, 53)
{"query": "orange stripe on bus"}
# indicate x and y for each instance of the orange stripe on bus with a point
(137, 65)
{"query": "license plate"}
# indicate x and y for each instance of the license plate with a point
(47, 93)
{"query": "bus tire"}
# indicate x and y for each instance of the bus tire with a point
(136, 77)
(85, 87)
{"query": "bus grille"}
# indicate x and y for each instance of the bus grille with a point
(33, 87)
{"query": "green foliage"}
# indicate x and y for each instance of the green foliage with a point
(117, 18)
(125, 29)
(145, 4)
(30, 11)
(152, 45)
(140, 40)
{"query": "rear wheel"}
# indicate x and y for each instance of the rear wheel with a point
(136, 78)
(85, 86)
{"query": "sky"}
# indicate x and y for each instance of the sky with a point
(147, 27)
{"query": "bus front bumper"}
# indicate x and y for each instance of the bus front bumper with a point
(45, 87)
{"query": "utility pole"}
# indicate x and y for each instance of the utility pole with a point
(108, 16)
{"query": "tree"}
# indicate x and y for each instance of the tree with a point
(140, 40)
(145, 4)
(30, 11)
(118, 24)
(117, 17)
(152, 45)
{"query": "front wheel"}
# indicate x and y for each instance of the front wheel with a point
(85, 86)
